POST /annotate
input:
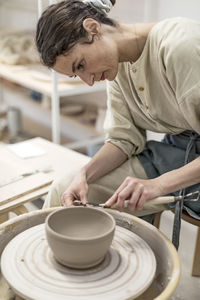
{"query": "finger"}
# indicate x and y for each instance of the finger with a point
(142, 201)
(111, 201)
(83, 197)
(125, 194)
(67, 199)
(135, 197)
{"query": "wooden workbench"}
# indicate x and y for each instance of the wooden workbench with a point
(14, 195)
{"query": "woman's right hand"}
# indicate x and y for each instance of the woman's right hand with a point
(77, 190)
(105, 160)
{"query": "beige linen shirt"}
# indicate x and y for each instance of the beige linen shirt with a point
(160, 91)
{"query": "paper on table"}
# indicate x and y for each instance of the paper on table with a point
(26, 149)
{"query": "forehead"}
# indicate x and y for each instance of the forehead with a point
(64, 64)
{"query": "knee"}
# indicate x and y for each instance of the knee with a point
(97, 193)
(57, 189)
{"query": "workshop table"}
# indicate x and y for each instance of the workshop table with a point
(14, 195)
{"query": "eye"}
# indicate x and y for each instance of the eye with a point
(80, 66)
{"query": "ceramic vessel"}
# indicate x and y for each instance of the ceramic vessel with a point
(79, 236)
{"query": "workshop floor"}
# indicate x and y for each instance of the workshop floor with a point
(189, 287)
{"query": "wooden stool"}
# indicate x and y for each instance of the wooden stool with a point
(196, 259)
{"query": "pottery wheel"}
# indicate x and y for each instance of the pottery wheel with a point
(29, 267)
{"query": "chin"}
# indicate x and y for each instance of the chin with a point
(111, 76)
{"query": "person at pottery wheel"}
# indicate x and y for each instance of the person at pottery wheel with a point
(152, 72)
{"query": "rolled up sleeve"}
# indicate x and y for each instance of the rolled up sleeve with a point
(119, 125)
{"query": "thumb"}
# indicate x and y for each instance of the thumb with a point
(84, 197)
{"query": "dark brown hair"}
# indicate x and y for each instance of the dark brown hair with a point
(60, 28)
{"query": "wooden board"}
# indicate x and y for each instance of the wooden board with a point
(12, 205)
(24, 186)
(59, 158)
(11, 168)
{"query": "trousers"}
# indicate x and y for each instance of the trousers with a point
(103, 188)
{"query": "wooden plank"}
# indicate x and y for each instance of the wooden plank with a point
(22, 187)
(59, 158)
(9, 206)
(11, 166)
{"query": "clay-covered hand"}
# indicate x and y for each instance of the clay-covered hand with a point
(77, 190)
(137, 191)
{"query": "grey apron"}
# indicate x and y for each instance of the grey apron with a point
(172, 153)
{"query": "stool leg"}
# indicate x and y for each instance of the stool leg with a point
(196, 259)
(156, 221)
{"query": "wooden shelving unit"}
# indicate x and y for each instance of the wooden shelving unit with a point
(25, 76)
(52, 87)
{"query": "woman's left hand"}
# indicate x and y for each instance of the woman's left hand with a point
(137, 191)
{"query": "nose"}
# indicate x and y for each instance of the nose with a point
(87, 78)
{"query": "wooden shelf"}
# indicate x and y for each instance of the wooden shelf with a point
(71, 127)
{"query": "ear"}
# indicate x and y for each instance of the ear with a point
(92, 26)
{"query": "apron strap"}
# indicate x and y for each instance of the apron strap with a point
(189, 155)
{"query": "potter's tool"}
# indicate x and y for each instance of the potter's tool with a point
(29, 267)
(46, 169)
(158, 200)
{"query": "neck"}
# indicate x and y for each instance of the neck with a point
(131, 40)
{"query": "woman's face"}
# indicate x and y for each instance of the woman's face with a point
(91, 62)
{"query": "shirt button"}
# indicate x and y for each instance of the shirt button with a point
(134, 70)
(141, 88)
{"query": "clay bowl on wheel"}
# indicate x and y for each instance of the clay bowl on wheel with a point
(79, 236)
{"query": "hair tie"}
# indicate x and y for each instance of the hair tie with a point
(100, 5)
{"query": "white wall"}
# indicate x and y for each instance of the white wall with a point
(19, 14)
(176, 8)
(131, 11)
(23, 13)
